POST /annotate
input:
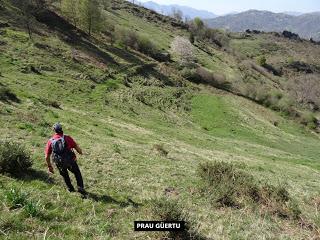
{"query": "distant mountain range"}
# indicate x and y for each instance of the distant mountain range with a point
(187, 11)
(306, 25)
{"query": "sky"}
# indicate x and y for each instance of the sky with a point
(227, 6)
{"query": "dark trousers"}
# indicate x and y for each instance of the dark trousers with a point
(74, 168)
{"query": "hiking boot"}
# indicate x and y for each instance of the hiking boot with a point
(71, 190)
(82, 191)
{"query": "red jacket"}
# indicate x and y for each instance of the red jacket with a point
(69, 140)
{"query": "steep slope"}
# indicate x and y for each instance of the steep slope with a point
(306, 25)
(145, 129)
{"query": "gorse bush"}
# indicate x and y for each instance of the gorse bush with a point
(218, 37)
(169, 210)
(308, 119)
(262, 60)
(272, 99)
(205, 76)
(229, 186)
(14, 159)
(128, 38)
(7, 95)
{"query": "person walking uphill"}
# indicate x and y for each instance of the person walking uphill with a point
(61, 147)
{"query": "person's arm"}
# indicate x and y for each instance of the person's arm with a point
(78, 149)
(50, 168)
(48, 151)
(72, 143)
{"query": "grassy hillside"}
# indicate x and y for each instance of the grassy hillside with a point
(145, 130)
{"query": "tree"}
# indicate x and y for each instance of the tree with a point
(197, 28)
(27, 9)
(306, 90)
(183, 49)
(192, 37)
(91, 15)
(71, 9)
(177, 14)
(198, 23)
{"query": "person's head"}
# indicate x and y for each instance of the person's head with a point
(57, 127)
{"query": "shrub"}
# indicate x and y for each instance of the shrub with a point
(14, 159)
(262, 61)
(306, 90)
(159, 148)
(145, 46)
(227, 183)
(190, 74)
(308, 119)
(229, 186)
(217, 37)
(216, 80)
(50, 103)
(6, 95)
(128, 38)
(169, 210)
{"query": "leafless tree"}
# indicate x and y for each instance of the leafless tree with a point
(177, 14)
(306, 90)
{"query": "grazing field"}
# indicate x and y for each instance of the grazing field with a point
(156, 145)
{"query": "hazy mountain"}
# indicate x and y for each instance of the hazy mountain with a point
(306, 25)
(187, 11)
(293, 13)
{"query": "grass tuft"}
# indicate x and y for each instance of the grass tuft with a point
(16, 198)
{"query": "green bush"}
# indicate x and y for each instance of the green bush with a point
(262, 61)
(14, 159)
(190, 74)
(218, 37)
(144, 45)
(217, 80)
(128, 38)
(7, 95)
(230, 186)
(308, 119)
(228, 183)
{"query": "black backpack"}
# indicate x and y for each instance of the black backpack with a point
(61, 155)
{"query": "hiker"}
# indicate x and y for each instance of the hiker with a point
(61, 147)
